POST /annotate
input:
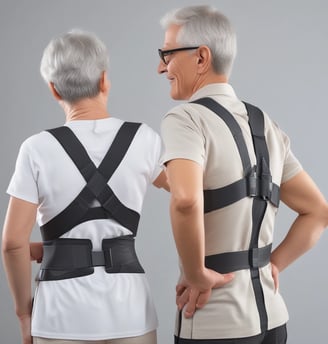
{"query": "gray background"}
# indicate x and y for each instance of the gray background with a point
(281, 67)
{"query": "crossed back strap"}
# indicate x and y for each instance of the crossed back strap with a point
(80, 209)
(256, 183)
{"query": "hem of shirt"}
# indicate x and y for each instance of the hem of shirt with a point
(22, 197)
(292, 174)
(168, 157)
(72, 336)
(232, 333)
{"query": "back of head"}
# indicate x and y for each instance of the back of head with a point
(204, 25)
(74, 63)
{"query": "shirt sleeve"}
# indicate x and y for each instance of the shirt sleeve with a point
(182, 138)
(155, 156)
(292, 166)
(23, 183)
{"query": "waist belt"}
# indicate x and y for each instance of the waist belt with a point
(240, 260)
(69, 258)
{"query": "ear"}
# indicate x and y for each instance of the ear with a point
(54, 91)
(104, 83)
(204, 59)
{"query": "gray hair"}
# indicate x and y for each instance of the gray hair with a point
(74, 63)
(205, 25)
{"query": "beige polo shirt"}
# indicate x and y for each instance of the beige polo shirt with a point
(191, 131)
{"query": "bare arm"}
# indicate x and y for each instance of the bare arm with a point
(302, 195)
(185, 178)
(19, 223)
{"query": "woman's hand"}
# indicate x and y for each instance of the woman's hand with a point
(36, 251)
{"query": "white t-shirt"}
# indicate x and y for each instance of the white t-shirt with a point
(101, 305)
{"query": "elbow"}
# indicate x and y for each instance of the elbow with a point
(10, 246)
(185, 203)
(320, 214)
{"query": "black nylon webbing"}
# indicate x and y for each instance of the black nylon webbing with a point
(96, 188)
(255, 182)
(232, 124)
(256, 122)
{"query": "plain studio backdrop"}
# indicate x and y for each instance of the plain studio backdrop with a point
(281, 66)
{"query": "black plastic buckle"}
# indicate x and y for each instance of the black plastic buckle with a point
(98, 258)
(266, 186)
(252, 188)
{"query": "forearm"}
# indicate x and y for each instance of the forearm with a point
(18, 269)
(188, 231)
(302, 236)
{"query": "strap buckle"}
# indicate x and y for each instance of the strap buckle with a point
(252, 182)
(259, 185)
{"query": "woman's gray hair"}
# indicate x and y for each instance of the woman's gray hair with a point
(74, 63)
(205, 25)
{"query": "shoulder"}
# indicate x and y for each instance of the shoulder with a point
(184, 109)
(184, 116)
(145, 132)
(35, 141)
(146, 139)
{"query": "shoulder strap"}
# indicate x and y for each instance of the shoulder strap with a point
(232, 124)
(250, 185)
(268, 189)
(256, 184)
(80, 209)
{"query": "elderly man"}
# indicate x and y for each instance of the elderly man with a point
(228, 166)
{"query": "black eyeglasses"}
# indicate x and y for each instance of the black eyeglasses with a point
(163, 53)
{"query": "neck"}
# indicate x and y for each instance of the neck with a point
(85, 109)
(209, 79)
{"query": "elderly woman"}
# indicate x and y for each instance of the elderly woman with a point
(85, 183)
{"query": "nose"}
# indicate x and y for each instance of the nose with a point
(161, 67)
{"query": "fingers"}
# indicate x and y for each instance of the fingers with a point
(193, 298)
(222, 279)
(190, 307)
(182, 299)
(180, 288)
(196, 301)
(203, 299)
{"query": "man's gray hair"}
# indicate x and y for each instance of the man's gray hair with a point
(205, 25)
(74, 63)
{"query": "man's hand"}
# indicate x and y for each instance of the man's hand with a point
(194, 296)
(36, 251)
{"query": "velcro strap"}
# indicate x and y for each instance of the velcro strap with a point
(239, 260)
(69, 258)
(249, 186)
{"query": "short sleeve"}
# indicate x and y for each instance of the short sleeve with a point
(182, 138)
(291, 164)
(156, 151)
(23, 183)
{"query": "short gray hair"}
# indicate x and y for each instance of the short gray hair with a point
(205, 25)
(74, 63)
